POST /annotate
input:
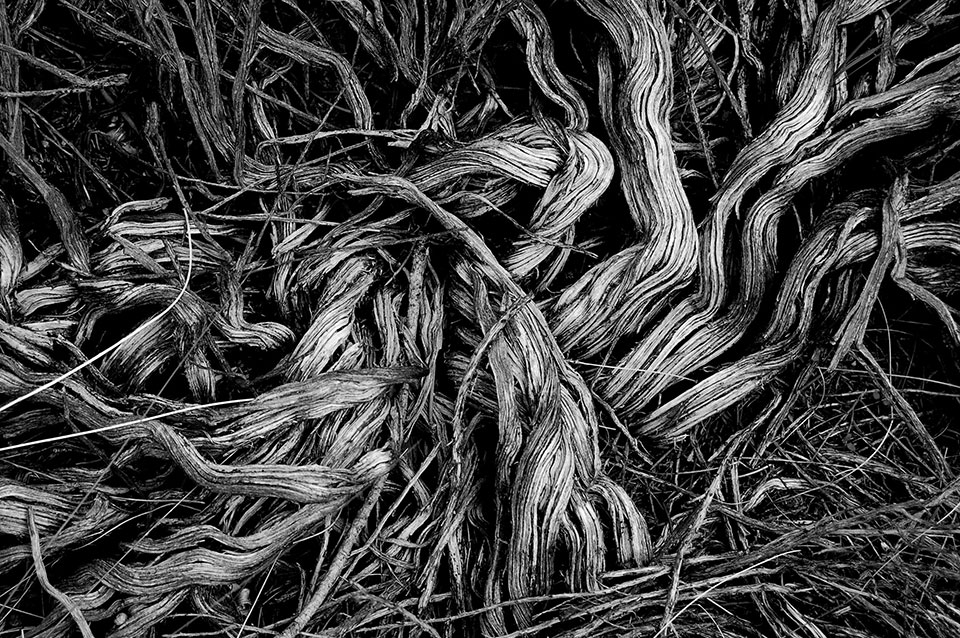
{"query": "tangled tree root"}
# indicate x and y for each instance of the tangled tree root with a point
(495, 318)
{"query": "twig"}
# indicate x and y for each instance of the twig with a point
(70, 605)
(336, 565)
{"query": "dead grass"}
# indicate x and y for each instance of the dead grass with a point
(493, 318)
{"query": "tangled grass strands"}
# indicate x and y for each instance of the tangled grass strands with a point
(125, 424)
(132, 335)
(452, 318)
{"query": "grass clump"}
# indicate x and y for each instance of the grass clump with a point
(492, 318)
